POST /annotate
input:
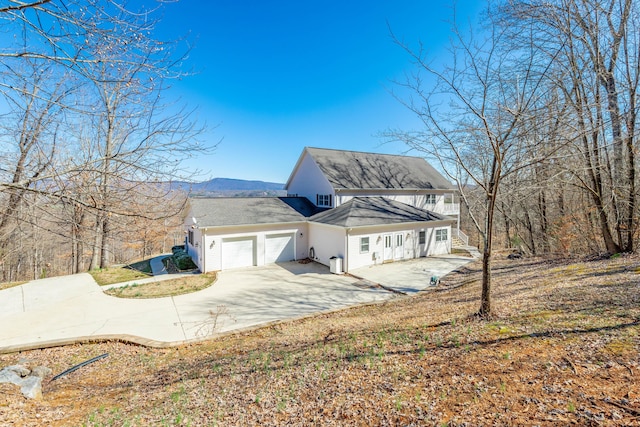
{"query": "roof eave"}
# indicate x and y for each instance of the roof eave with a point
(435, 222)
(210, 227)
(339, 189)
(444, 221)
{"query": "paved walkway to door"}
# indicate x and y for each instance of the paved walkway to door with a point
(413, 275)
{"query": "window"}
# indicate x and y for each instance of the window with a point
(323, 200)
(431, 199)
(422, 237)
(364, 245)
(190, 238)
(442, 235)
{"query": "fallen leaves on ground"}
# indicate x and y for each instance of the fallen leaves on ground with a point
(563, 349)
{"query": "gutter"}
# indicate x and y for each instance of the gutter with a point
(218, 227)
(435, 223)
(429, 190)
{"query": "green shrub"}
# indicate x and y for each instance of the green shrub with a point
(182, 260)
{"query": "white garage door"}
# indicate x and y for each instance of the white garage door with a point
(238, 252)
(279, 248)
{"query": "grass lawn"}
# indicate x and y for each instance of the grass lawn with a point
(165, 288)
(563, 349)
(108, 276)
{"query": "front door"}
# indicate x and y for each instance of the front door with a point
(398, 252)
(387, 253)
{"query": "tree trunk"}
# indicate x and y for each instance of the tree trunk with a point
(631, 202)
(486, 309)
(96, 246)
(104, 249)
(529, 225)
(507, 227)
(544, 223)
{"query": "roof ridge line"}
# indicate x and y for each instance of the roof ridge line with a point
(363, 152)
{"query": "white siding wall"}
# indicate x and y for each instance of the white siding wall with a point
(214, 237)
(326, 241)
(440, 248)
(357, 259)
(194, 249)
(417, 200)
(309, 181)
(412, 247)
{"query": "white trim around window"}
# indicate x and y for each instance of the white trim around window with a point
(323, 200)
(442, 235)
(364, 245)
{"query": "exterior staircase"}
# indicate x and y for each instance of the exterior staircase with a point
(456, 242)
(460, 244)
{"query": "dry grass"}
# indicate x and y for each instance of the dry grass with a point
(108, 276)
(7, 285)
(165, 288)
(563, 350)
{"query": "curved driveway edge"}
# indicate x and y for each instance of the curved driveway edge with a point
(69, 309)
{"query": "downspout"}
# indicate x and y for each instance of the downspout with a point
(202, 253)
(346, 254)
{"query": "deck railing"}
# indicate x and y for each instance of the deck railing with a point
(451, 209)
(445, 208)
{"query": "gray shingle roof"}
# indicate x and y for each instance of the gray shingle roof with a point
(368, 211)
(225, 211)
(354, 170)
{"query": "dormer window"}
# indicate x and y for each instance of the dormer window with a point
(431, 199)
(323, 200)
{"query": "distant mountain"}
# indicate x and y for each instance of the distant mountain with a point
(230, 188)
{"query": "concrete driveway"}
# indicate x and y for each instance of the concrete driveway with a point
(412, 275)
(67, 309)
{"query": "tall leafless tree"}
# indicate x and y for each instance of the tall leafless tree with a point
(598, 73)
(98, 82)
(477, 112)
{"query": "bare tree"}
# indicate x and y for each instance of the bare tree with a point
(104, 92)
(477, 118)
(598, 72)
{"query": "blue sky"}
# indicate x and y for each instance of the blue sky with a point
(276, 76)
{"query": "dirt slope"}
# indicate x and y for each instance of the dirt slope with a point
(563, 350)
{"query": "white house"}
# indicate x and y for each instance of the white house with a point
(363, 208)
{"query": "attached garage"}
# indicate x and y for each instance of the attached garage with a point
(279, 248)
(238, 252)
